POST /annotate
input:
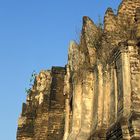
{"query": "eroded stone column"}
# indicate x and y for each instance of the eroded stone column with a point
(98, 131)
(100, 96)
(106, 97)
(115, 92)
(77, 109)
(124, 85)
(67, 103)
(87, 106)
(113, 95)
(67, 118)
(124, 89)
(95, 101)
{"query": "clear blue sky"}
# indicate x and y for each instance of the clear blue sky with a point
(34, 35)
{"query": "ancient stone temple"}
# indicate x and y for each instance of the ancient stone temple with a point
(96, 96)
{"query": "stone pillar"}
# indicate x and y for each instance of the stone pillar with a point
(77, 109)
(95, 102)
(115, 92)
(67, 92)
(87, 106)
(124, 82)
(67, 118)
(113, 95)
(106, 96)
(124, 89)
(98, 107)
(100, 96)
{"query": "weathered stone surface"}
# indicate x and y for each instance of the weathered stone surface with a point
(43, 114)
(97, 95)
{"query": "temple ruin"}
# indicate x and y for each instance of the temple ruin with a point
(96, 96)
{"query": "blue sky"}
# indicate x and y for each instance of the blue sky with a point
(35, 35)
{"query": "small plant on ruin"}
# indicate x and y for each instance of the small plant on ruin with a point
(31, 82)
(97, 39)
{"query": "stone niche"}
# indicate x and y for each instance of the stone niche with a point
(96, 96)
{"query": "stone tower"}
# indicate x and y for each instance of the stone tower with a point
(96, 96)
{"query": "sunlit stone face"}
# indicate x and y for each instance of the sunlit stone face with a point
(41, 82)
